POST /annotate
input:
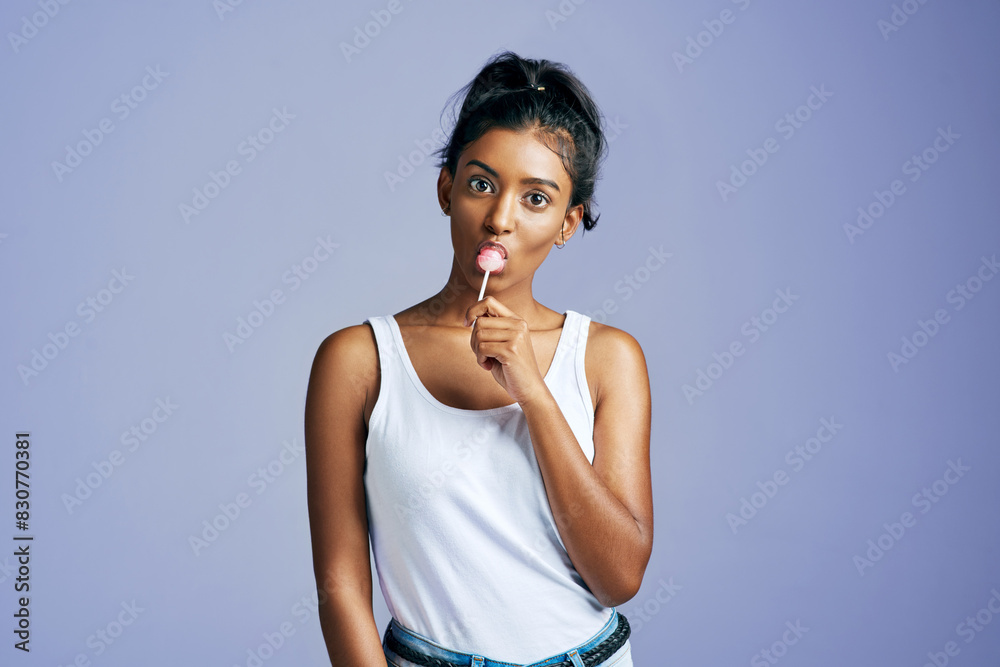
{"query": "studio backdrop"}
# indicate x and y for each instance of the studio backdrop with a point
(798, 224)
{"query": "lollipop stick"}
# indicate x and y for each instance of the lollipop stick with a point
(482, 291)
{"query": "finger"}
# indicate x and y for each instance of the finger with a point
(490, 350)
(503, 324)
(473, 312)
(481, 337)
(489, 306)
(499, 308)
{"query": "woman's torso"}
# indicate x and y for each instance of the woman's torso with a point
(465, 542)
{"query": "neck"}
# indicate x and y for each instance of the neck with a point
(459, 294)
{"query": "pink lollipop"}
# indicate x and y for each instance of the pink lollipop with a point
(489, 259)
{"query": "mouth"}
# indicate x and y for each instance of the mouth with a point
(492, 244)
(491, 256)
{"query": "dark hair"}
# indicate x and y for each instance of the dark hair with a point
(502, 95)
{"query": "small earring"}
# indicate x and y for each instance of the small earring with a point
(562, 234)
(446, 210)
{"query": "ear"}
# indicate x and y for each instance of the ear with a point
(444, 186)
(570, 223)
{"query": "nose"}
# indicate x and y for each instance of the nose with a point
(501, 217)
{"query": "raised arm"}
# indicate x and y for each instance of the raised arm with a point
(604, 511)
(344, 372)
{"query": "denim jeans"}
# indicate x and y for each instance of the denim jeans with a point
(621, 658)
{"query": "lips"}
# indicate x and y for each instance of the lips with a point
(491, 256)
(492, 244)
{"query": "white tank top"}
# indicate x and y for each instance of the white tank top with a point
(465, 544)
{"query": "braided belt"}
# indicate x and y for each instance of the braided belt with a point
(594, 656)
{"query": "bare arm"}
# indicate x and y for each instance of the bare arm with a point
(604, 511)
(335, 434)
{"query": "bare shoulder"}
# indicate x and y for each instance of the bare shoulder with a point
(351, 348)
(611, 339)
(614, 358)
(348, 357)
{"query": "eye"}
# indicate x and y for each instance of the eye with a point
(477, 179)
(544, 199)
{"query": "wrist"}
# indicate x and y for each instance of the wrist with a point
(541, 396)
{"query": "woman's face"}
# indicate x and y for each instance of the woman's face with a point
(512, 189)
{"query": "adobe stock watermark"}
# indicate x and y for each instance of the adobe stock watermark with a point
(38, 20)
(968, 629)
(381, 18)
(435, 305)
(260, 481)
(122, 107)
(88, 310)
(264, 309)
(408, 165)
(549, 539)
(6, 570)
(752, 329)
(927, 329)
(304, 609)
(631, 283)
(273, 641)
(249, 149)
(639, 616)
(899, 17)
(105, 637)
(562, 12)
(461, 450)
(697, 43)
(136, 435)
(613, 129)
(796, 458)
(924, 500)
(786, 126)
(779, 648)
(223, 7)
(914, 168)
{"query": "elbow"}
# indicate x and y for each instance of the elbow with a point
(626, 581)
(623, 588)
(616, 599)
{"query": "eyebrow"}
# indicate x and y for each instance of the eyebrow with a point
(537, 181)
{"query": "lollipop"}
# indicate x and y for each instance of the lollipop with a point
(489, 259)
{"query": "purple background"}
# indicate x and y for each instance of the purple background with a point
(716, 592)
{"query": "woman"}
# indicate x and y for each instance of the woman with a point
(496, 451)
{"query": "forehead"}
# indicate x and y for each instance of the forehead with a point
(516, 155)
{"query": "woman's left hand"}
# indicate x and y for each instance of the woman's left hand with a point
(502, 343)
